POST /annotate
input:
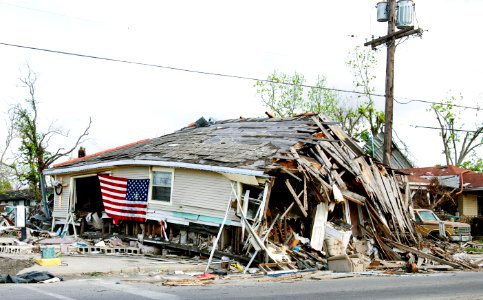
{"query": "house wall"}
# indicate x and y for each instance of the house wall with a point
(197, 193)
(467, 205)
(199, 196)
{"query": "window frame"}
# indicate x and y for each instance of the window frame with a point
(151, 185)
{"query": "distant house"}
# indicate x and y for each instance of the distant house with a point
(292, 167)
(9, 200)
(14, 198)
(466, 185)
(375, 148)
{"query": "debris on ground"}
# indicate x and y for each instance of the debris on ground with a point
(326, 206)
(30, 277)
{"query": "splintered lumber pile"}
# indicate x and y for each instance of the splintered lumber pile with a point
(335, 170)
(324, 189)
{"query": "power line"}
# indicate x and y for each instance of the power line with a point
(183, 69)
(218, 74)
(431, 102)
(439, 128)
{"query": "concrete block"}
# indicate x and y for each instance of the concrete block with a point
(26, 249)
(7, 241)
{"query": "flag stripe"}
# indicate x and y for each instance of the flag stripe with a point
(120, 196)
(107, 187)
(119, 203)
(136, 213)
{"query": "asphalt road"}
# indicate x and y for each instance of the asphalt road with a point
(434, 286)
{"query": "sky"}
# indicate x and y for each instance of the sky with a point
(129, 102)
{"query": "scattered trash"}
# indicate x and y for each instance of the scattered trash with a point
(30, 277)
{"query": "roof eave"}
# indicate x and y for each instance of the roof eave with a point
(74, 169)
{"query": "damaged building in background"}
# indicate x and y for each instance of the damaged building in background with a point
(297, 191)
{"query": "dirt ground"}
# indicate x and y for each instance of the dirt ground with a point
(12, 266)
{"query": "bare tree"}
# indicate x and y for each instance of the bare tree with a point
(458, 144)
(33, 155)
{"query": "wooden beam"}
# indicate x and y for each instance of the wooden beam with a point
(285, 170)
(297, 200)
(306, 202)
(286, 211)
(397, 35)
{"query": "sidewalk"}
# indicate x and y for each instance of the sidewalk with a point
(78, 265)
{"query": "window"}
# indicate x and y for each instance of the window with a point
(162, 186)
(428, 215)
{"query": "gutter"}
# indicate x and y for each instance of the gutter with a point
(157, 164)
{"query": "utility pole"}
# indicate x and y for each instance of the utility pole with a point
(390, 41)
(388, 112)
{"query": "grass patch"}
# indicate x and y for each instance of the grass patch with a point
(473, 250)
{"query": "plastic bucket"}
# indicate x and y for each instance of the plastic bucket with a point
(225, 261)
(48, 252)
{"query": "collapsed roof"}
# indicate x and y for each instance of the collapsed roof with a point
(309, 149)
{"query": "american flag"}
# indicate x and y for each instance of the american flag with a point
(124, 199)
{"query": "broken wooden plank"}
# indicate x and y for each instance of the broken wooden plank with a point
(338, 179)
(270, 186)
(287, 210)
(291, 174)
(342, 135)
(422, 254)
(354, 197)
(318, 229)
(306, 202)
(297, 200)
(323, 157)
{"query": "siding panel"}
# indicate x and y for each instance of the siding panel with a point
(61, 202)
(199, 192)
(132, 172)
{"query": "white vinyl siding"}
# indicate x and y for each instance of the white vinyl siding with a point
(131, 172)
(194, 192)
(61, 202)
(199, 192)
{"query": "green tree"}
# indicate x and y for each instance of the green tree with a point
(362, 62)
(474, 163)
(286, 96)
(33, 155)
(283, 94)
(458, 144)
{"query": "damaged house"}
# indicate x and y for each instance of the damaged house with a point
(296, 183)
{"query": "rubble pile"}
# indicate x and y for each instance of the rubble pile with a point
(321, 204)
(346, 212)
